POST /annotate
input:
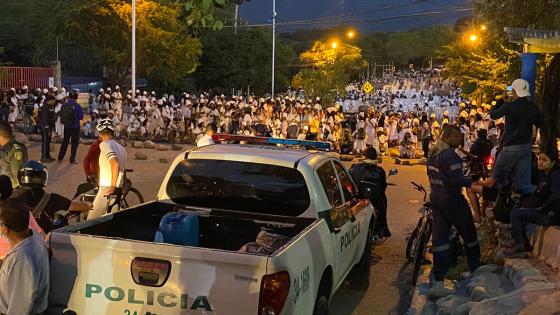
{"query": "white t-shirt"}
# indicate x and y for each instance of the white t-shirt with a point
(111, 149)
(204, 140)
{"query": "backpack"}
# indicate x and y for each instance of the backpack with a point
(370, 180)
(67, 114)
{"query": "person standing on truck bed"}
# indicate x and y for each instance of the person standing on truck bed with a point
(24, 275)
(112, 164)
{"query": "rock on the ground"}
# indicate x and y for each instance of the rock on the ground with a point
(544, 305)
(149, 144)
(140, 156)
(485, 286)
(163, 160)
(463, 309)
(175, 147)
(448, 304)
(490, 268)
(162, 147)
(514, 302)
(137, 144)
(87, 141)
(521, 272)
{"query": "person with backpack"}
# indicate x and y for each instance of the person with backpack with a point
(372, 184)
(71, 114)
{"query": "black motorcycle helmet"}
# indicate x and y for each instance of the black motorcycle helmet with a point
(33, 174)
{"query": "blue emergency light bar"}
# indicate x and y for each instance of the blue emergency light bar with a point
(266, 140)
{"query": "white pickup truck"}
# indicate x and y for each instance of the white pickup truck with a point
(112, 265)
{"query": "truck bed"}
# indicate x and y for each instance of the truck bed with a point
(111, 265)
(219, 229)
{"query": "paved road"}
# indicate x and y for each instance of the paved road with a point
(389, 291)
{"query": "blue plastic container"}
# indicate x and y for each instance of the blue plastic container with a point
(179, 228)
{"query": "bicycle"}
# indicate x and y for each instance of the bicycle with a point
(417, 242)
(130, 196)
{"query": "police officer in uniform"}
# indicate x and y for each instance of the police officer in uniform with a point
(12, 153)
(450, 208)
(47, 120)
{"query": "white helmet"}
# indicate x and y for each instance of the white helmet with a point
(106, 124)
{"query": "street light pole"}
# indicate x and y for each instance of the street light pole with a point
(133, 67)
(273, 42)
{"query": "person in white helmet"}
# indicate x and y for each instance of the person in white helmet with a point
(112, 165)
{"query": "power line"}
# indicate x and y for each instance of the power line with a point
(368, 10)
(369, 20)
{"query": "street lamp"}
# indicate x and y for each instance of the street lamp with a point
(473, 38)
(350, 34)
(334, 45)
(483, 27)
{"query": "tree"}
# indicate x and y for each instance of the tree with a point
(329, 70)
(497, 14)
(480, 71)
(237, 61)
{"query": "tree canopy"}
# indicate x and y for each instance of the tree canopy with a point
(328, 70)
(243, 60)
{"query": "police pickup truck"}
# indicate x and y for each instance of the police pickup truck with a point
(302, 200)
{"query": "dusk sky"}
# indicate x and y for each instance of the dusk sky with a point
(367, 15)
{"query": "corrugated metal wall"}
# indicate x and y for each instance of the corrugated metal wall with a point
(33, 77)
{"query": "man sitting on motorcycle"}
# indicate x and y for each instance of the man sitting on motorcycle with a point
(32, 179)
(372, 183)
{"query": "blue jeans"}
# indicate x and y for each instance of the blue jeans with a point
(513, 168)
(520, 218)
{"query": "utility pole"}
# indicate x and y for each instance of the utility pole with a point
(133, 66)
(273, 42)
(236, 18)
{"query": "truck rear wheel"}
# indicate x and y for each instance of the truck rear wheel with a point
(322, 300)
(359, 276)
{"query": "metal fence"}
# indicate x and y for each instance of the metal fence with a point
(33, 77)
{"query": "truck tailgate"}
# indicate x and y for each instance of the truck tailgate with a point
(98, 275)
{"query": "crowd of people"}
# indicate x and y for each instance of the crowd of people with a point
(410, 115)
(398, 115)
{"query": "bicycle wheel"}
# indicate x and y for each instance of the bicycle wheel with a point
(419, 254)
(132, 198)
(411, 241)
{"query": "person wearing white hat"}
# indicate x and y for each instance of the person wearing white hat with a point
(513, 165)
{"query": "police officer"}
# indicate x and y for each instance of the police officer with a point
(450, 208)
(47, 120)
(12, 153)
